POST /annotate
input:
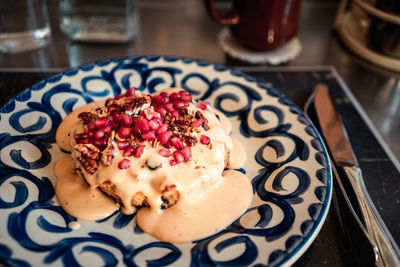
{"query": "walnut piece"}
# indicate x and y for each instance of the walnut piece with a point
(89, 154)
(107, 156)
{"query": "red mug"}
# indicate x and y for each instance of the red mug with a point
(260, 25)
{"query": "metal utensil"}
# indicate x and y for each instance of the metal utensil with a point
(335, 136)
(359, 245)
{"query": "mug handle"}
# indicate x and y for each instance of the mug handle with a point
(231, 18)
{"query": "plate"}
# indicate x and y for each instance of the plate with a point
(287, 164)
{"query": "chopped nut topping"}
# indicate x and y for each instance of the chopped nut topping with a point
(88, 151)
(90, 165)
(89, 154)
(107, 156)
(87, 117)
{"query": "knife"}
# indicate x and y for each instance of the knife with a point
(387, 252)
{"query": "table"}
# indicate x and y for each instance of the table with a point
(182, 28)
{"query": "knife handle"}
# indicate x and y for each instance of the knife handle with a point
(385, 246)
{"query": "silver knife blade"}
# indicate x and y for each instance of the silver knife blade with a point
(334, 132)
(388, 254)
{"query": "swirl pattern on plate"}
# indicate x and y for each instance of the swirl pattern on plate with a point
(286, 160)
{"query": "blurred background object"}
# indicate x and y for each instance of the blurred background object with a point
(24, 25)
(260, 24)
(259, 31)
(97, 20)
(371, 29)
(384, 36)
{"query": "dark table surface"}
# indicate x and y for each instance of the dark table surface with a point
(368, 97)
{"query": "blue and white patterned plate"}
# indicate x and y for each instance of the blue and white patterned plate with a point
(287, 163)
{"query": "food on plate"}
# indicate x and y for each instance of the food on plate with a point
(163, 153)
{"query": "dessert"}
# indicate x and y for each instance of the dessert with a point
(162, 153)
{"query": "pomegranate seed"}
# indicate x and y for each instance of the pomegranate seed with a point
(85, 129)
(130, 97)
(182, 92)
(204, 139)
(186, 98)
(116, 117)
(109, 127)
(139, 151)
(175, 113)
(143, 126)
(153, 125)
(124, 132)
(174, 96)
(113, 125)
(168, 144)
(98, 134)
(169, 107)
(136, 131)
(122, 144)
(149, 136)
(90, 134)
(101, 122)
(115, 114)
(128, 151)
(91, 126)
(130, 91)
(197, 123)
(172, 162)
(157, 100)
(166, 100)
(134, 120)
(124, 164)
(178, 156)
(79, 135)
(163, 128)
(165, 152)
(164, 137)
(83, 141)
(178, 104)
(100, 143)
(160, 110)
(202, 105)
(176, 142)
(108, 101)
(119, 96)
(112, 108)
(126, 120)
(186, 152)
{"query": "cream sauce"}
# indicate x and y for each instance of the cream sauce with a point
(74, 225)
(237, 156)
(187, 221)
(203, 191)
(76, 197)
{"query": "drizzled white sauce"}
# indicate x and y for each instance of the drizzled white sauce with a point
(74, 225)
(203, 190)
(76, 197)
(187, 221)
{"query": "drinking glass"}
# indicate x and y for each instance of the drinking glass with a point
(107, 21)
(24, 25)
